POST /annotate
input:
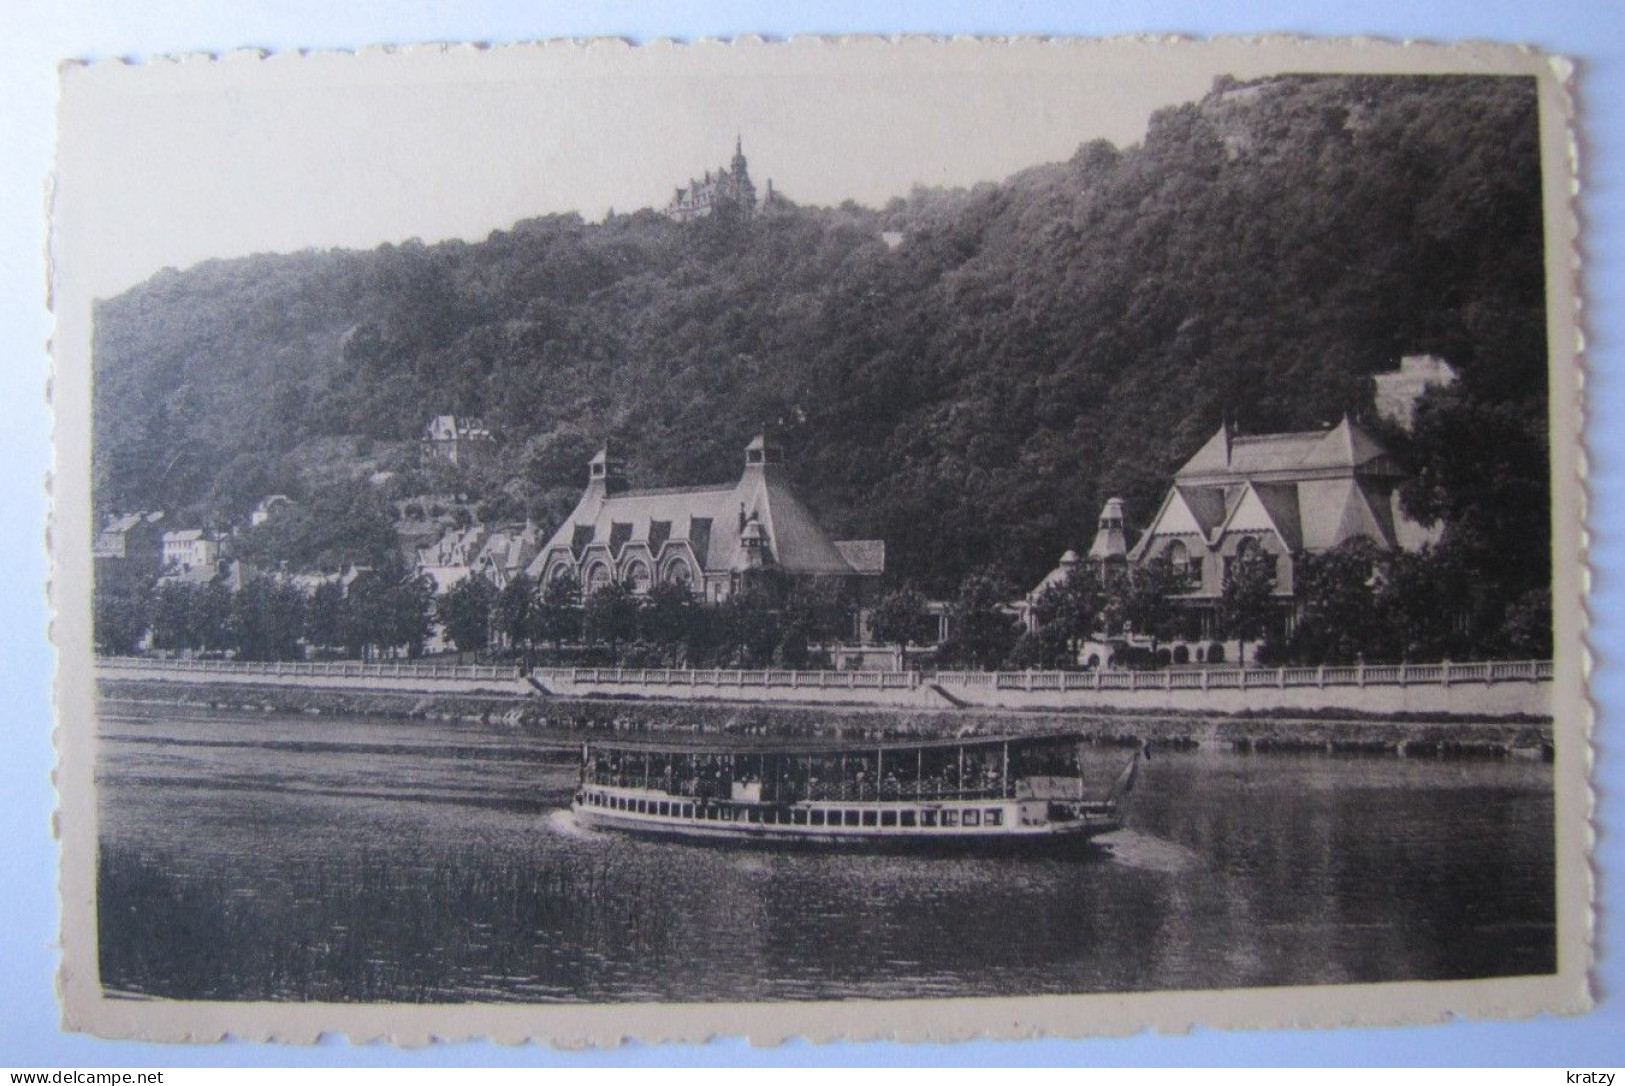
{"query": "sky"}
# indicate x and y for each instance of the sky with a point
(178, 161)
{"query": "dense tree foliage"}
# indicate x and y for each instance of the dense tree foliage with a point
(970, 396)
(1247, 606)
(465, 611)
(982, 632)
(900, 618)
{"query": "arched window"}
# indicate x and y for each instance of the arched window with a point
(678, 571)
(637, 577)
(1186, 568)
(597, 577)
(1249, 545)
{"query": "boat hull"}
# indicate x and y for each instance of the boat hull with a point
(1048, 837)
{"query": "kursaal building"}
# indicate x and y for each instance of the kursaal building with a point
(712, 540)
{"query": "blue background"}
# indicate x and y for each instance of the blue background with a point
(38, 33)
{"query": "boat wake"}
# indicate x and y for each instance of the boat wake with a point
(563, 823)
(1145, 851)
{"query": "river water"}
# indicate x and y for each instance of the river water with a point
(270, 856)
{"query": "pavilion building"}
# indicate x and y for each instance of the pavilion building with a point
(712, 540)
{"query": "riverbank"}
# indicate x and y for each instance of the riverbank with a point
(1170, 730)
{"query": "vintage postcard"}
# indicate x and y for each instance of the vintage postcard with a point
(829, 538)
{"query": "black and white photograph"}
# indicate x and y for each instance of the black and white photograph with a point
(856, 536)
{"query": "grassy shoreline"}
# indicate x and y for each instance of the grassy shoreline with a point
(1329, 732)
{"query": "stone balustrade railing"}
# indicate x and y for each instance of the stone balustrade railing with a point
(1442, 674)
(322, 668)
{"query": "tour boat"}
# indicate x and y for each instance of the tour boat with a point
(968, 791)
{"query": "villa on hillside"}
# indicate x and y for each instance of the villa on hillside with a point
(189, 549)
(130, 540)
(730, 184)
(712, 540)
(459, 440)
(1279, 495)
(507, 553)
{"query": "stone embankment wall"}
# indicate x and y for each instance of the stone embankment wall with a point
(582, 717)
(1513, 690)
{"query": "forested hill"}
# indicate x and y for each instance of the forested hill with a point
(970, 395)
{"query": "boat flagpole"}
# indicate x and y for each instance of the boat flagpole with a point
(1125, 780)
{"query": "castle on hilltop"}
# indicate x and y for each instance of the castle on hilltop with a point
(731, 184)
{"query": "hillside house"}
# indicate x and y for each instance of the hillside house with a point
(458, 440)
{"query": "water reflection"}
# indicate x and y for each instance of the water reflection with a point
(267, 856)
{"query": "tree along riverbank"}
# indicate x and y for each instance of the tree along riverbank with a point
(1414, 737)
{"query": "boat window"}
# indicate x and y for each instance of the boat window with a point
(888, 818)
(950, 818)
(643, 806)
(973, 818)
(908, 818)
(798, 818)
(665, 807)
(869, 817)
(928, 818)
(818, 818)
(851, 818)
(753, 814)
(688, 810)
(993, 816)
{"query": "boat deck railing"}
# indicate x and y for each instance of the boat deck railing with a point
(929, 790)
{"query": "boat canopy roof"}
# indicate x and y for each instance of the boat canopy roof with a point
(706, 744)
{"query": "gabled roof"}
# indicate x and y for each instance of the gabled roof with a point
(863, 555)
(1209, 505)
(1345, 445)
(1058, 575)
(710, 518)
(1212, 457)
(1370, 514)
(118, 524)
(1280, 501)
(799, 544)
